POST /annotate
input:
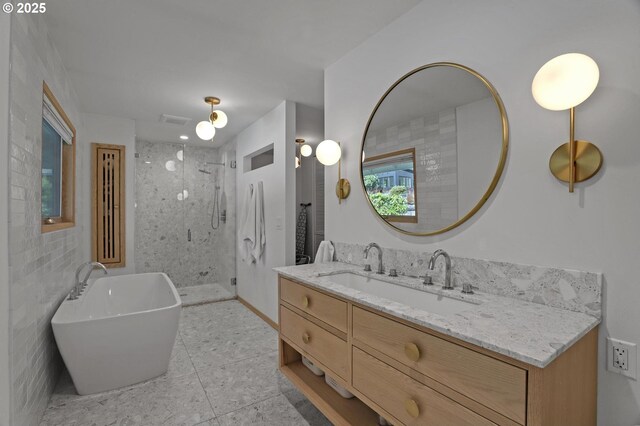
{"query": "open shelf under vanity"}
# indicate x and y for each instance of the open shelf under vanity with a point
(339, 410)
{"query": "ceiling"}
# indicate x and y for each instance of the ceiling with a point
(141, 59)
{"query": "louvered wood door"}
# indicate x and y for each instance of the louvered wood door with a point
(109, 205)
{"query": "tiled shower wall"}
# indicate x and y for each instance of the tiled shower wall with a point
(41, 266)
(435, 141)
(172, 198)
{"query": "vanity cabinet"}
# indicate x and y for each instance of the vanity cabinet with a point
(413, 375)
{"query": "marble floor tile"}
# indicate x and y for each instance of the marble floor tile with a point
(180, 363)
(212, 422)
(176, 401)
(220, 347)
(204, 293)
(273, 411)
(233, 386)
(218, 316)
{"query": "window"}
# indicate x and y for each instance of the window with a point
(390, 183)
(58, 166)
(51, 171)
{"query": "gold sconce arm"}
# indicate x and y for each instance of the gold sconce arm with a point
(343, 187)
(577, 160)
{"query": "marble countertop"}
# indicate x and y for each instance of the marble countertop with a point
(529, 332)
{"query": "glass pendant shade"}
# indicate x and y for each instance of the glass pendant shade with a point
(328, 152)
(306, 150)
(205, 130)
(565, 81)
(220, 119)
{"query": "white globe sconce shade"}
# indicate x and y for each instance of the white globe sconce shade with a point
(219, 119)
(565, 81)
(306, 150)
(205, 130)
(328, 152)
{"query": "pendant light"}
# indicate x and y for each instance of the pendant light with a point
(206, 129)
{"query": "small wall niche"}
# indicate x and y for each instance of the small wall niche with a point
(257, 159)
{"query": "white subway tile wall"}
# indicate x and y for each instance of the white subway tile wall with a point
(41, 266)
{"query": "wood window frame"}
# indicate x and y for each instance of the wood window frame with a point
(412, 151)
(68, 185)
(120, 247)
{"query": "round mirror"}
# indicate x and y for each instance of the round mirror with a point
(434, 149)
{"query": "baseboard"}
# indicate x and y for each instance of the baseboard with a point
(258, 313)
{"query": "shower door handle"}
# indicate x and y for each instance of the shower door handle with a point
(189, 235)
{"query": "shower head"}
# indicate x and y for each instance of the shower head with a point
(206, 172)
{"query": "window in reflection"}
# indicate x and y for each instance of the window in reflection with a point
(390, 182)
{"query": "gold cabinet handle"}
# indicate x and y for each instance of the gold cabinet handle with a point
(305, 301)
(412, 408)
(306, 337)
(412, 351)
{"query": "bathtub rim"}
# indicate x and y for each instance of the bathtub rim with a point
(56, 320)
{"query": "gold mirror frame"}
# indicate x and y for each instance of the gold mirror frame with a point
(501, 163)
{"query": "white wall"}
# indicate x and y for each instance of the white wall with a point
(257, 283)
(531, 218)
(117, 131)
(5, 347)
(479, 132)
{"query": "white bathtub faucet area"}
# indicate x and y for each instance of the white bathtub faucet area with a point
(121, 331)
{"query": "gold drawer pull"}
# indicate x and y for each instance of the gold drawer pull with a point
(306, 338)
(305, 301)
(412, 351)
(412, 408)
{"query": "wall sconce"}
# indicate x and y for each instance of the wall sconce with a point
(563, 83)
(329, 153)
(303, 149)
(206, 129)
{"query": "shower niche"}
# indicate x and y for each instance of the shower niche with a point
(185, 214)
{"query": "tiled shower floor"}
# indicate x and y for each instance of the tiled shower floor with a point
(205, 293)
(223, 372)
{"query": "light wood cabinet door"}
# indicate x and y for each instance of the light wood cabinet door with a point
(326, 308)
(489, 381)
(330, 350)
(408, 400)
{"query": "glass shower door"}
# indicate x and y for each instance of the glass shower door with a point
(208, 252)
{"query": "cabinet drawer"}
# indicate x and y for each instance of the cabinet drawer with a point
(316, 341)
(409, 401)
(325, 308)
(493, 383)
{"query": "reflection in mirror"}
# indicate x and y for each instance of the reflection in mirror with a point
(389, 180)
(434, 148)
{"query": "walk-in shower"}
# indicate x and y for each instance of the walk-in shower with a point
(184, 193)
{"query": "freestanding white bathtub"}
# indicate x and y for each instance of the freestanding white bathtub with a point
(120, 331)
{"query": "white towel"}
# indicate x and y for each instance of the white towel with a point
(247, 233)
(252, 233)
(325, 252)
(261, 237)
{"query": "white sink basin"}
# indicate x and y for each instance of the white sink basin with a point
(415, 298)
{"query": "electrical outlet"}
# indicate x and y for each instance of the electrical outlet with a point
(621, 357)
